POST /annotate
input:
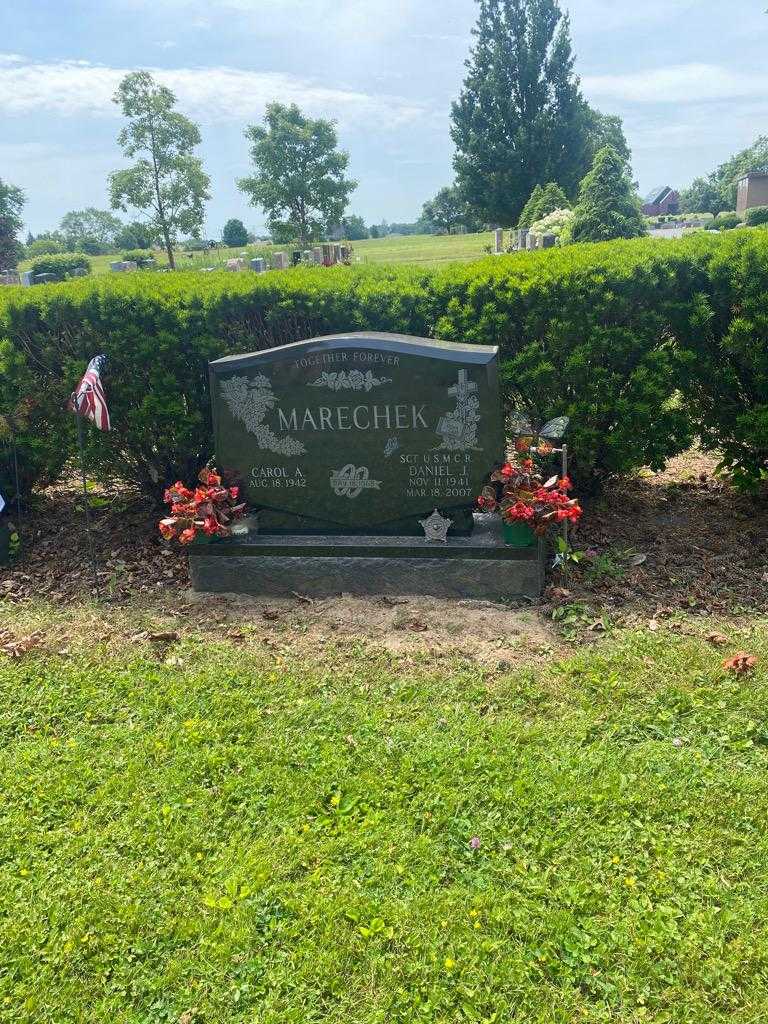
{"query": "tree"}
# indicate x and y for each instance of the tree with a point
(11, 204)
(602, 130)
(717, 191)
(354, 228)
(45, 245)
(89, 229)
(543, 201)
(374, 231)
(448, 210)
(235, 233)
(704, 195)
(168, 181)
(608, 206)
(136, 235)
(299, 172)
(520, 117)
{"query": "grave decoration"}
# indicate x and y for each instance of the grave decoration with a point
(360, 457)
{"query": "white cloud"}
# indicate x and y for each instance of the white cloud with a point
(678, 84)
(76, 87)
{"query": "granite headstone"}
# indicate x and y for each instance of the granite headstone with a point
(353, 432)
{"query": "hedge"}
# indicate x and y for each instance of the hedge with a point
(603, 333)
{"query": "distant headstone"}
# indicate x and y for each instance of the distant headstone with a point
(521, 238)
(344, 253)
(308, 256)
(548, 241)
(259, 264)
(10, 277)
(317, 254)
(79, 272)
(498, 241)
(336, 253)
(235, 264)
(531, 241)
(26, 278)
(117, 266)
(328, 259)
(357, 431)
(44, 279)
(280, 261)
(296, 257)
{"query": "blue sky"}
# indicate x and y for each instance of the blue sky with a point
(687, 76)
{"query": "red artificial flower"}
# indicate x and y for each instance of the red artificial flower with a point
(527, 464)
(487, 503)
(522, 444)
(187, 536)
(506, 470)
(573, 513)
(210, 526)
(519, 512)
(544, 448)
(234, 493)
(564, 483)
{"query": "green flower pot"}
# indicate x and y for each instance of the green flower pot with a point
(518, 535)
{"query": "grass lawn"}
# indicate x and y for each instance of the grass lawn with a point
(426, 250)
(232, 828)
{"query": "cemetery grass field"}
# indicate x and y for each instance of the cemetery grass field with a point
(207, 825)
(424, 250)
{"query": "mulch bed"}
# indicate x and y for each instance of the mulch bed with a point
(679, 540)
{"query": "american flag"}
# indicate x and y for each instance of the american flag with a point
(88, 399)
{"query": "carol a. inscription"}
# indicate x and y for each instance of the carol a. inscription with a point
(359, 430)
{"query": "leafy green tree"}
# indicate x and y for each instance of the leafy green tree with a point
(374, 231)
(520, 117)
(603, 130)
(448, 210)
(11, 204)
(235, 233)
(168, 181)
(89, 229)
(608, 206)
(136, 235)
(716, 192)
(299, 177)
(45, 245)
(354, 228)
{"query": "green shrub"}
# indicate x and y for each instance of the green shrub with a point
(756, 215)
(43, 440)
(607, 334)
(726, 356)
(726, 221)
(43, 247)
(140, 256)
(61, 264)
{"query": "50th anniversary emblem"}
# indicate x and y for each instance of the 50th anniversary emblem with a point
(350, 481)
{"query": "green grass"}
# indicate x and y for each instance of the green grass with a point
(425, 250)
(277, 836)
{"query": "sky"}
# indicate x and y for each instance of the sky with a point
(688, 77)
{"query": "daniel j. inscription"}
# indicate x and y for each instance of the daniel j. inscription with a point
(359, 430)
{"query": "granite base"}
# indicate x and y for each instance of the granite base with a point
(478, 566)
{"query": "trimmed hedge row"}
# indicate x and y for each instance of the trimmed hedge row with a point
(611, 335)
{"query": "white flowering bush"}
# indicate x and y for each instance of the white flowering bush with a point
(557, 223)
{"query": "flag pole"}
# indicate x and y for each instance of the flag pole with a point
(85, 498)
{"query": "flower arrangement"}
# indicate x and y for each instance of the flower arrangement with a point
(209, 508)
(519, 494)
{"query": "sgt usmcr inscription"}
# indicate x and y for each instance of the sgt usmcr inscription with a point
(360, 430)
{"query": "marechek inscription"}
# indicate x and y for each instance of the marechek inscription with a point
(359, 430)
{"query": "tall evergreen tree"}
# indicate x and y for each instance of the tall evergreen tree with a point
(520, 117)
(608, 206)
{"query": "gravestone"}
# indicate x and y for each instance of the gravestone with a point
(498, 241)
(358, 432)
(548, 241)
(280, 261)
(259, 264)
(317, 253)
(327, 255)
(345, 447)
